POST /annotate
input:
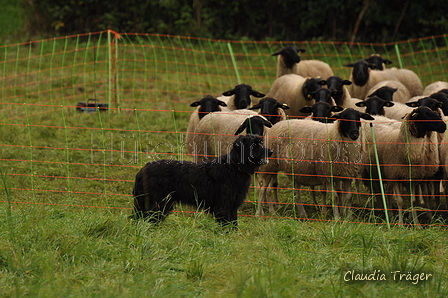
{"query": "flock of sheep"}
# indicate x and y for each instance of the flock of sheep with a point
(380, 127)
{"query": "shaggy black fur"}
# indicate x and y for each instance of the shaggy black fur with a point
(219, 186)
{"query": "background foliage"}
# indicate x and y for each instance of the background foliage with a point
(349, 20)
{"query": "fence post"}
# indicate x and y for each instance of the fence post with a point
(112, 69)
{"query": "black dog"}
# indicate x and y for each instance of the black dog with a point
(219, 186)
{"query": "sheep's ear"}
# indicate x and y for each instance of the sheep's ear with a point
(360, 104)
(229, 93)
(306, 110)
(346, 82)
(322, 82)
(388, 104)
(284, 106)
(221, 103)
(394, 90)
(255, 107)
(412, 104)
(300, 51)
(350, 65)
(278, 52)
(257, 94)
(366, 116)
(267, 123)
(242, 127)
(387, 62)
(195, 104)
(337, 109)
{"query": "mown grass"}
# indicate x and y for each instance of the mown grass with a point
(67, 179)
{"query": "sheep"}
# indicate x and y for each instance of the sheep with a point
(289, 61)
(293, 90)
(340, 93)
(364, 78)
(302, 149)
(408, 78)
(239, 97)
(374, 105)
(216, 132)
(270, 108)
(219, 186)
(435, 87)
(414, 151)
(379, 62)
(322, 94)
(321, 111)
(204, 106)
(442, 98)
(390, 90)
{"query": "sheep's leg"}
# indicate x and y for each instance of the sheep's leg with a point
(399, 201)
(414, 213)
(274, 193)
(347, 202)
(426, 191)
(264, 182)
(313, 196)
(299, 203)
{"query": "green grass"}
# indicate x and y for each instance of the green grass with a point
(53, 251)
(67, 177)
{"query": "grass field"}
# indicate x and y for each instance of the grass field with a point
(67, 180)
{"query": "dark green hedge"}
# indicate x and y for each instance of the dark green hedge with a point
(382, 20)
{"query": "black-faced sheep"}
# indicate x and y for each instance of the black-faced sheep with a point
(379, 62)
(314, 153)
(390, 90)
(219, 186)
(289, 61)
(435, 87)
(204, 106)
(270, 108)
(215, 133)
(340, 93)
(294, 90)
(239, 97)
(407, 151)
(364, 78)
(321, 111)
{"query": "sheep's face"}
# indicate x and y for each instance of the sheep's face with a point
(360, 72)
(242, 94)
(350, 122)
(290, 56)
(207, 105)
(312, 84)
(429, 102)
(378, 61)
(254, 125)
(423, 120)
(322, 94)
(374, 105)
(385, 93)
(321, 111)
(269, 108)
(336, 86)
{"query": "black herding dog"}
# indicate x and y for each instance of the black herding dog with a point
(218, 186)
